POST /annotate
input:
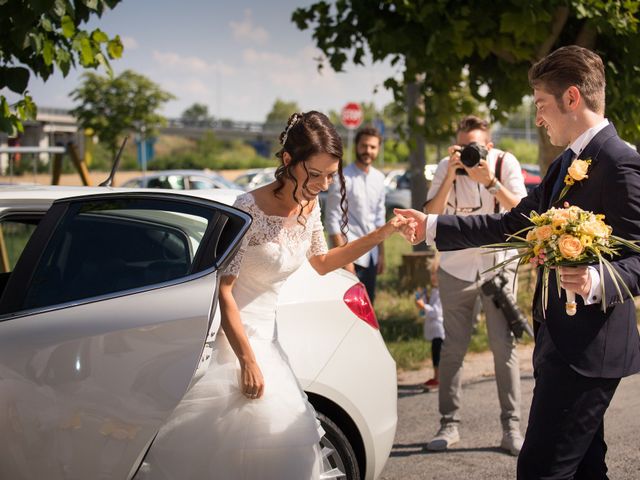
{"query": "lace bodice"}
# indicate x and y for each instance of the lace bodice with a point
(273, 248)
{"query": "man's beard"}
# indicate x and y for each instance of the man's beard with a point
(365, 159)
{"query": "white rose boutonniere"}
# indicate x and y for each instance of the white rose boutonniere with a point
(576, 173)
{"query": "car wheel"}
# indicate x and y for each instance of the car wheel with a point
(337, 453)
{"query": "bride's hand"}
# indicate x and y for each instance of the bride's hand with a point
(404, 225)
(252, 380)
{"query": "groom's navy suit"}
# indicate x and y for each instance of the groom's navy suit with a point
(579, 360)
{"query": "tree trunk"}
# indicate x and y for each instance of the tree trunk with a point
(417, 160)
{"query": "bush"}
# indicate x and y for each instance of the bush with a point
(524, 151)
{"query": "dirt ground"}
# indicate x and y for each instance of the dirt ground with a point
(476, 365)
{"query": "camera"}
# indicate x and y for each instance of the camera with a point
(504, 300)
(470, 156)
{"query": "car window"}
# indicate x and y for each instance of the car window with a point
(199, 183)
(132, 183)
(109, 246)
(14, 235)
(244, 180)
(174, 182)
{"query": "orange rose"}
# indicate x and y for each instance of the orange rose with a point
(578, 170)
(544, 232)
(531, 235)
(570, 246)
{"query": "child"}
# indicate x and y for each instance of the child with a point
(433, 325)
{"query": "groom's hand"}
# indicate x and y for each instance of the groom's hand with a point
(419, 221)
(576, 279)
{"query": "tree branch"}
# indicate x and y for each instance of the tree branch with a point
(586, 36)
(560, 18)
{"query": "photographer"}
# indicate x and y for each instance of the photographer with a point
(476, 179)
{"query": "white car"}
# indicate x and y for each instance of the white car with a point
(255, 177)
(107, 314)
(180, 180)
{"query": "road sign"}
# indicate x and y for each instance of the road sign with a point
(351, 115)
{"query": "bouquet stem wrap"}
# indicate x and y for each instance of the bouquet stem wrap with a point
(571, 307)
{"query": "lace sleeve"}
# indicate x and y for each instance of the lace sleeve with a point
(318, 241)
(233, 267)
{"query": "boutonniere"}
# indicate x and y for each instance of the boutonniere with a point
(576, 172)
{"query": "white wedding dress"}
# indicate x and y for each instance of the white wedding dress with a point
(218, 433)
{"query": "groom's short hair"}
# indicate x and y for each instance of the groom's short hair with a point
(567, 66)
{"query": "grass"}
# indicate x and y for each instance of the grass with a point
(400, 323)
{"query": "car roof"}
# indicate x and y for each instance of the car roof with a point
(21, 194)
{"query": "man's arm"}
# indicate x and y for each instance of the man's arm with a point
(442, 184)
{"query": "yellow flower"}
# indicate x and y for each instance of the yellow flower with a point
(558, 225)
(596, 229)
(570, 246)
(586, 240)
(575, 173)
(531, 235)
(578, 170)
(536, 249)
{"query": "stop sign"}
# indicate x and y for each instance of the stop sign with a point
(351, 115)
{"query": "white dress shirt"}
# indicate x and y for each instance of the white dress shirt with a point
(365, 196)
(578, 145)
(471, 198)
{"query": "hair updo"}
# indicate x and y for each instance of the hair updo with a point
(308, 134)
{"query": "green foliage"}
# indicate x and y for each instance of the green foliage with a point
(197, 115)
(280, 113)
(215, 154)
(524, 151)
(113, 106)
(485, 47)
(38, 37)
(410, 354)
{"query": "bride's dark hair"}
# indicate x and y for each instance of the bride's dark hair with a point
(309, 134)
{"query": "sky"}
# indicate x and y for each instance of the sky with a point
(236, 57)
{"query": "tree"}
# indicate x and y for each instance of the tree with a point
(113, 106)
(280, 113)
(492, 44)
(38, 37)
(197, 115)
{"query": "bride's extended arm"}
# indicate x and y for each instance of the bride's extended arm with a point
(251, 376)
(340, 256)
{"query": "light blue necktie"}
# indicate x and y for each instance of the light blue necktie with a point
(565, 162)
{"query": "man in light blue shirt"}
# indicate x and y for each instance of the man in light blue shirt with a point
(365, 196)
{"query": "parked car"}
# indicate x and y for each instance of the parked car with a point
(107, 316)
(398, 187)
(181, 180)
(532, 175)
(255, 177)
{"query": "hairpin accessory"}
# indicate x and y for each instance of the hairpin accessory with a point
(294, 120)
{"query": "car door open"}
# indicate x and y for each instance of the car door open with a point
(103, 322)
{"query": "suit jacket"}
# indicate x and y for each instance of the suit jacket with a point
(593, 342)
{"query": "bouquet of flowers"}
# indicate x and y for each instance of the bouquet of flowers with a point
(567, 236)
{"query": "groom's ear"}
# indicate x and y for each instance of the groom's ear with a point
(572, 97)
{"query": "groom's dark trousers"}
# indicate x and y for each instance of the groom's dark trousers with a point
(578, 361)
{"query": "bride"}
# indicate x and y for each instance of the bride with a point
(248, 418)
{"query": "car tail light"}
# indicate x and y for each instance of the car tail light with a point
(358, 302)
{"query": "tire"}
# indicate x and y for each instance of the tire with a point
(339, 453)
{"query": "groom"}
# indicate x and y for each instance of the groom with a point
(578, 361)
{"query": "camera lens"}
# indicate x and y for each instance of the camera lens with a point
(471, 155)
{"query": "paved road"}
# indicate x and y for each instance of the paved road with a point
(477, 456)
